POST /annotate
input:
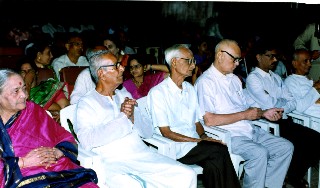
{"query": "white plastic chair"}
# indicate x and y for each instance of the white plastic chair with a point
(214, 132)
(311, 122)
(91, 160)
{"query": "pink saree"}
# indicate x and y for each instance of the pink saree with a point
(34, 128)
(149, 81)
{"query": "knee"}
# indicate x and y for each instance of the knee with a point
(260, 153)
(287, 146)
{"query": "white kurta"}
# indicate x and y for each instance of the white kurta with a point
(302, 88)
(103, 129)
(64, 61)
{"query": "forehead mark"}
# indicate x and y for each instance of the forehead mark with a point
(20, 83)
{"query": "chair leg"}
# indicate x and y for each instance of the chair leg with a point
(309, 176)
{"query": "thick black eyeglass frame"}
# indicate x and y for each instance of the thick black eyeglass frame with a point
(117, 65)
(192, 60)
(235, 59)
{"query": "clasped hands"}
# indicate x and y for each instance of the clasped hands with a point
(42, 156)
(272, 114)
(127, 106)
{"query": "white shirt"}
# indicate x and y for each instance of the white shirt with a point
(269, 91)
(223, 94)
(83, 84)
(302, 88)
(176, 108)
(64, 61)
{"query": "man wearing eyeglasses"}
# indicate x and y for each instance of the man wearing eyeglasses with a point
(174, 110)
(104, 125)
(73, 57)
(268, 90)
(223, 103)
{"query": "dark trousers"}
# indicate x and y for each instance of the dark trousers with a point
(306, 147)
(214, 158)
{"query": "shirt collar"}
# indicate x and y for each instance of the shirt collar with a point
(216, 72)
(173, 86)
(263, 73)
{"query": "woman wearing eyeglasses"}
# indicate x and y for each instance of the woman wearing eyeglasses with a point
(140, 83)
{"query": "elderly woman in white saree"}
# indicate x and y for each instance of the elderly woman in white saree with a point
(104, 125)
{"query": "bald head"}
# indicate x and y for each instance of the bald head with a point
(227, 56)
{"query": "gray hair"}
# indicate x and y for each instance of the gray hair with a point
(95, 61)
(4, 75)
(174, 51)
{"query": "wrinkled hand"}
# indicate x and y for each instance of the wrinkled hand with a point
(42, 156)
(253, 113)
(127, 106)
(273, 114)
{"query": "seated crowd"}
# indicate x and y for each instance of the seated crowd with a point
(193, 88)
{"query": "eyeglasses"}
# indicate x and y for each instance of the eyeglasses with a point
(135, 67)
(190, 61)
(272, 56)
(235, 59)
(117, 65)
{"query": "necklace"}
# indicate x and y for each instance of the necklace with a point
(137, 83)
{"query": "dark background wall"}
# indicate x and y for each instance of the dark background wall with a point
(150, 21)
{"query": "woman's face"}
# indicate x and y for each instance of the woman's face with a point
(25, 69)
(136, 69)
(14, 95)
(111, 46)
(45, 57)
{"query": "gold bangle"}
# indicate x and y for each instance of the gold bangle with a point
(22, 162)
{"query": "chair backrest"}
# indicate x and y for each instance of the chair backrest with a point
(67, 113)
(44, 74)
(142, 119)
(69, 76)
(9, 57)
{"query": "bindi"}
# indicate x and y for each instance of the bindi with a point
(20, 83)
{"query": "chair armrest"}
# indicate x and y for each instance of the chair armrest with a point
(266, 125)
(163, 145)
(304, 118)
(219, 134)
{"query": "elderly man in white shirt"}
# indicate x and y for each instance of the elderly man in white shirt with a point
(73, 57)
(268, 90)
(175, 114)
(104, 125)
(301, 86)
(223, 103)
